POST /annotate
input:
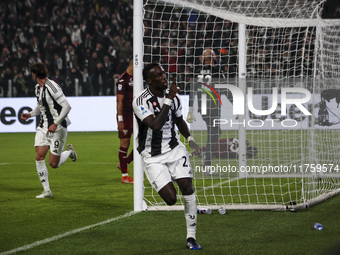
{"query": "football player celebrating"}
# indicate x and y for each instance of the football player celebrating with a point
(164, 156)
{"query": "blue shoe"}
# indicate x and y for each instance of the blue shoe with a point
(192, 244)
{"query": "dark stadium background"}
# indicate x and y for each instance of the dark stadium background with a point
(90, 41)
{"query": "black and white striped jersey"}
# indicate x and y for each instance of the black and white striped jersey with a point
(152, 143)
(49, 98)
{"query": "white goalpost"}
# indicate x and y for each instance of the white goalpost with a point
(138, 188)
(275, 62)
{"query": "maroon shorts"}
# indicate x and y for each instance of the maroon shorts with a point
(126, 133)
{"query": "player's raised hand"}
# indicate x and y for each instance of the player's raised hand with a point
(173, 89)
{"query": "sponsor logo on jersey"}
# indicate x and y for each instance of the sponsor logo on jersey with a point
(120, 87)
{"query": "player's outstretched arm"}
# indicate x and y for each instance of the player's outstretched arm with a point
(35, 112)
(25, 116)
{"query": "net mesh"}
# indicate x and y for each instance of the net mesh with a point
(291, 159)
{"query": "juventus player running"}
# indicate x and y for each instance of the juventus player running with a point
(52, 130)
(164, 156)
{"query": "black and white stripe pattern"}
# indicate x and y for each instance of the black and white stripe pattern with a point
(49, 98)
(150, 142)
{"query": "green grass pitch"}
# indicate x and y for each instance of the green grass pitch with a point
(89, 191)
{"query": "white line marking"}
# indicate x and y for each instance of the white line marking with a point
(57, 237)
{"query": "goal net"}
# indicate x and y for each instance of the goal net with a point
(259, 83)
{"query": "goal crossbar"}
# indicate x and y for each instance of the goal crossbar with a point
(255, 21)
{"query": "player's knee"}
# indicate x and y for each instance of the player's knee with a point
(39, 158)
(187, 191)
(54, 164)
(185, 186)
(125, 143)
(171, 200)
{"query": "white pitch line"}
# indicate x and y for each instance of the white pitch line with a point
(57, 237)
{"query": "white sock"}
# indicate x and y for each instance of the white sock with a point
(43, 174)
(190, 212)
(63, 157)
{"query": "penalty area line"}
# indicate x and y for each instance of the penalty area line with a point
(69, 233)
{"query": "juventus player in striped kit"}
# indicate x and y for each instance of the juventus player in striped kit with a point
(164, 156)
(51, 134)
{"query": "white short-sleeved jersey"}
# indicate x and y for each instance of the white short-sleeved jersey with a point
(151, 143)
(49, 98)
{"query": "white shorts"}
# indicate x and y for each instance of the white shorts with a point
(164, 168)
(55, 141)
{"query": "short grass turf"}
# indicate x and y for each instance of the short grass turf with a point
(89, 191)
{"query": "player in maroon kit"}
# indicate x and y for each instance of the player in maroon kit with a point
(125, 120)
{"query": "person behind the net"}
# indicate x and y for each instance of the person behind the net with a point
(165, 159)
(124, 91)
(51, 134)
(208, 73)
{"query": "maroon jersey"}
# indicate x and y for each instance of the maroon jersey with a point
(125, 87)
